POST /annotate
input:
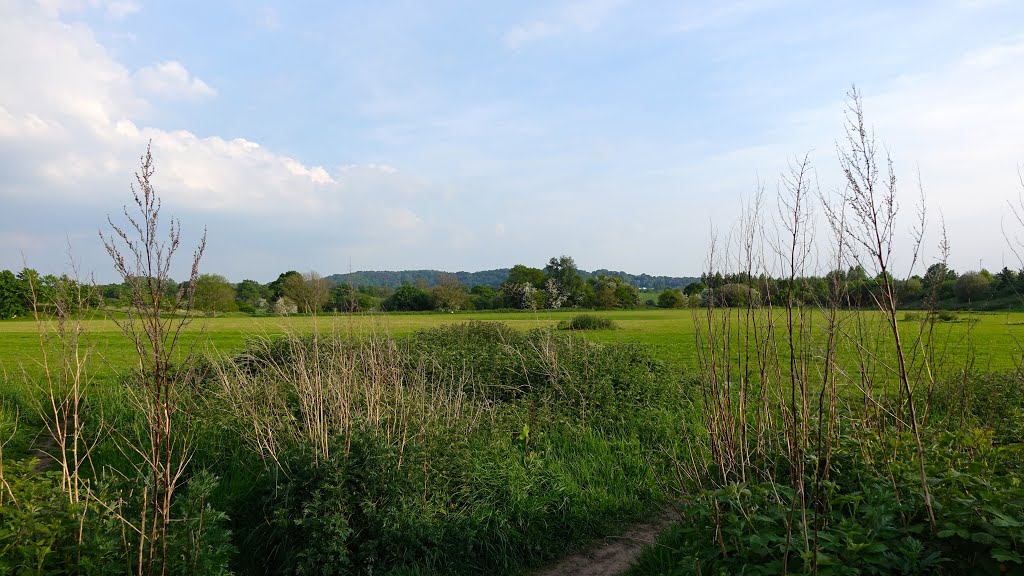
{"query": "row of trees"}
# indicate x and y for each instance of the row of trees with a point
(940, 286)
(558, 285)
(19, 291)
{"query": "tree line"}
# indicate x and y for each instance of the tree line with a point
(559, 284)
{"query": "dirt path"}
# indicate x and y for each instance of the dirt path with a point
(612, 556)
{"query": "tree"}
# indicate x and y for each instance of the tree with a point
(346, 298)
(309, 291)
(568, 279)
(276, 288)
(408, 297)
(213, 293)
(737, 295)
(520, 274)
(611, 291)
(30, 281)
(524, 288)
(483, 297)
(911, 289)
(1005, 280)
(519, 295)
(450, 294)
(11, 296)
(627, 294)
(972, 286)
(694, 288)
(251, 293)
(671, 298)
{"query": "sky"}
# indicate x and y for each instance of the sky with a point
(337, 136)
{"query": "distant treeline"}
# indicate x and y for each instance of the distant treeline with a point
(559, 284)
(493, 278)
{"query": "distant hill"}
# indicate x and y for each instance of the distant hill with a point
(646, 281)
(491, 278)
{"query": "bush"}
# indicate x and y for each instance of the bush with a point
(573, 438)
(588, 322)
(869, 518)
(39, 527)
(671, 298)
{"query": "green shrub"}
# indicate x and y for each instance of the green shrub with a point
(39, 527)
(588, 322)
(572, 442)
(865, 520)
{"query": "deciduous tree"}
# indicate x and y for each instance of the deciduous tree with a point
(213, 293)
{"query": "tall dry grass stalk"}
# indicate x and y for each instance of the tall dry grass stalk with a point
(154, 321)
(799, 363)
(315, 389)
(66, 365)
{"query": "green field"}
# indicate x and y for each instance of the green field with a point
(472, 443)
(995, 339)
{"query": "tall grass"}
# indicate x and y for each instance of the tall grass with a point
(463, 449)
(827, 428)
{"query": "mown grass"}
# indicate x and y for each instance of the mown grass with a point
(994, 339)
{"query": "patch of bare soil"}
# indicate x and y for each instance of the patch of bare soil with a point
(613, 555)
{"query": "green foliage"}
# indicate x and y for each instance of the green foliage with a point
(40, 527)
(201, 540)
(338, 515)
(737, 295)
(972, 286)
(450, 295)
(276, 288)
(587, 322)
(671, 298)
(408, 298)
(12, 300)
(251, 293)
(520, 274)
(568, 446)
(483, 297)
(345, 298)
(870, 518)
(612, 292)
(567, 279)
(741, 528)
(309, 291)
(213, 293)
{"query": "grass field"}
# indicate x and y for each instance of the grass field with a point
(462, 450)
(996, 339)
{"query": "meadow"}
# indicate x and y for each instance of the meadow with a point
(492, 442)
(994, 340)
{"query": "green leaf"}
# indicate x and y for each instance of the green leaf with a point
(1004, 555)
(983, 538)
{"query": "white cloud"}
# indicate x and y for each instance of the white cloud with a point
(528, 33)
(960, 125)
(271, 20)
(119, 9)
(582, 16)
(73, 127)
(113, 9)
(171, 80)
(706, 14)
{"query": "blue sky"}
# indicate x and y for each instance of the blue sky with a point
(473, 135)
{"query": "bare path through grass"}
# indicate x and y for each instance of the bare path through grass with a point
(613, 555)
